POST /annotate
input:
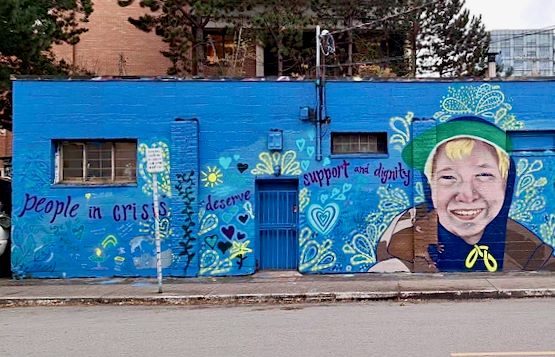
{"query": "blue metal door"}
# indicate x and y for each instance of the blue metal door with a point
(277, 224)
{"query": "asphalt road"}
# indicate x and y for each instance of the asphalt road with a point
(499, 327)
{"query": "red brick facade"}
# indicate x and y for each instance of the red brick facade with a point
(114, 47)
(5, 147)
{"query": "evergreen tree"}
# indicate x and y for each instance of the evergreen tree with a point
(280, 25)
(451, 42)
(28, 28)
(181, 24)
(344, 14)
(381, 43)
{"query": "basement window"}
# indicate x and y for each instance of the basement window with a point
(359, 143)
(96, 162)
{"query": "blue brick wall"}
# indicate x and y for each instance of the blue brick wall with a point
(218, 151)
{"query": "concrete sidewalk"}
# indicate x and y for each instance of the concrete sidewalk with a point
(275, 287)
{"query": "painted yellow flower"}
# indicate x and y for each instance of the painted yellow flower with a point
(212, 177)
(239, 248)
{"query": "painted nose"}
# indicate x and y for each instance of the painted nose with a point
(467, 192)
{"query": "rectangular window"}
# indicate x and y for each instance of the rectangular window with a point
(544, 52)
(359, 143)
(532, 140)
(97, 162)
(220, 45)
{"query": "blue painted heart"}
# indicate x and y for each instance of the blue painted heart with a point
(225, 162)
(228, 231)
(241, 235)
(211, 240)
(243, 218)
(323, 219)
(300, 144)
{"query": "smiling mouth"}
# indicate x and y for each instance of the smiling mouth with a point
(466, 214)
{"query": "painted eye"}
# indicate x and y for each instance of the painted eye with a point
(485, 176)
(447, 177)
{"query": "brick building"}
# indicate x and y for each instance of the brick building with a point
(5, 152)
(114, 47)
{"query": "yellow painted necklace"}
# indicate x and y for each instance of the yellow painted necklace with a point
(481, 251)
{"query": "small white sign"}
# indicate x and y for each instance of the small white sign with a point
(154, 160)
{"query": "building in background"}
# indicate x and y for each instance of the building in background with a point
(524, 53)
(5, 153)
(114, 47)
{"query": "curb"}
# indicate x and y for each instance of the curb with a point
(278, 298)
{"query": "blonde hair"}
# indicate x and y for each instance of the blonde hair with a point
(461, 148)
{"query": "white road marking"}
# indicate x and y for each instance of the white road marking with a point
(492, 354)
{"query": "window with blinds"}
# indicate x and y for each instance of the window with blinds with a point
(97, 162)
(359, 143)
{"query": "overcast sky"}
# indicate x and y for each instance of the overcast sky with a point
(514, 14)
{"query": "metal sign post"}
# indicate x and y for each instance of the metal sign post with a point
(154, 165)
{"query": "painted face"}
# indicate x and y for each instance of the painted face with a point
(467, 193)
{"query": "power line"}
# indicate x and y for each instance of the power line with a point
(535, 32)
(384, 18)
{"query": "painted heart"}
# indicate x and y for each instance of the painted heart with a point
(211, 240)
(228, 231)
(241, 235)
(242, 167)
(310, 151)
(334, 192)
(326, 161)
(164, 224)
(323, 219)
(225, 162)
(243, 218)
(230, 214)
(300, 143)
(236, 157)
(224, 246)
(305, 164)
(347, 187)
(324, 197)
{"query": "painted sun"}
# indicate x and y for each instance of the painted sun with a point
(212, 177)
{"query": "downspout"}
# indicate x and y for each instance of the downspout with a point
(319, 98)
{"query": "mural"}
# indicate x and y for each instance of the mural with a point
(467, 222)
(450, 194)
(466, 225)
